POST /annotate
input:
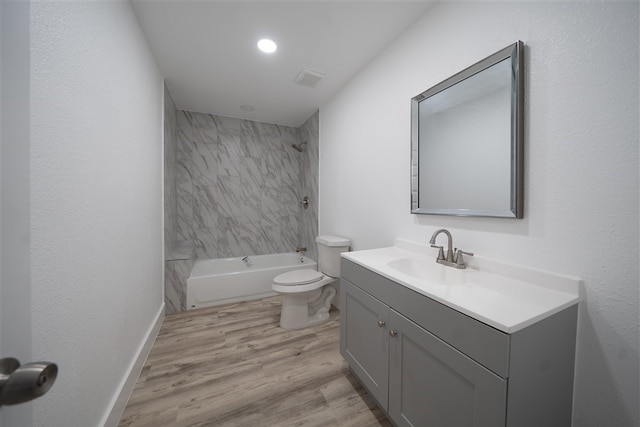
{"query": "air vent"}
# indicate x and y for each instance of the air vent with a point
(309, 78)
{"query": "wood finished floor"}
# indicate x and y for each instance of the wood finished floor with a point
(233, 365)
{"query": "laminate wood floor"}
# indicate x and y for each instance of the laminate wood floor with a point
(233, 365)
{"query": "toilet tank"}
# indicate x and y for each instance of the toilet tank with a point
(329, 250)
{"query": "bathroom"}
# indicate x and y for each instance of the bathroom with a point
(82, 246)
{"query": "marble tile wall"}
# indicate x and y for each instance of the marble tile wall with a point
(177, 267)
(309, 165)
(179, 255)
(238, 185)
(170, 198)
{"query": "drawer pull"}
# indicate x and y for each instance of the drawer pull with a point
(392, 333)
(381, 323)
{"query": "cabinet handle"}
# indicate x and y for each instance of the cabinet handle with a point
(381, 323)
(392, 333)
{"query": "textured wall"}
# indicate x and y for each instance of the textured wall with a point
(96, 202)
(581, 165)
(238, 186)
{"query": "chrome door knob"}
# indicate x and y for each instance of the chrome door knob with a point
(21, 383)
(392, 333)
(381, 323)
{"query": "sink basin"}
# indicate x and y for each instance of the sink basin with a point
(429, 271)
(504, 296)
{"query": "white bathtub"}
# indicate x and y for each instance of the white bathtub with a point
(226, 280)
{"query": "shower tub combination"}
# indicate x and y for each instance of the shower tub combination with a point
(227, 280)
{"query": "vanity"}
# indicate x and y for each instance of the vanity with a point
(490, 345)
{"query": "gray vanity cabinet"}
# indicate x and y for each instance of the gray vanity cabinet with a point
(427, 364)
(418, 379)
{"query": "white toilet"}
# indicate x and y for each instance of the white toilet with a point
(307, 294)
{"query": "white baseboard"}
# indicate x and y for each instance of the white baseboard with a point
(120, 401)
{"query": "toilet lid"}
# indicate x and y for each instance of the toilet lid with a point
(298, 277)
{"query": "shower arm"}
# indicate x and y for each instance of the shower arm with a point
(300, 147)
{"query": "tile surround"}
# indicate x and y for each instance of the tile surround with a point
(309, 165)
(233, 188)
(238, 185)
(177, 267)
(170, 205)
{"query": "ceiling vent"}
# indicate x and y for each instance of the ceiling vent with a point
(309, 78)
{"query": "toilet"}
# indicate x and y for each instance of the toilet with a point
(307, 294)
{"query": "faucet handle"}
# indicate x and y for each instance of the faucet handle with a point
(440, 252)
(458, 259)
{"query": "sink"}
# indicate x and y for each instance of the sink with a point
(505, 296)
(427, 270)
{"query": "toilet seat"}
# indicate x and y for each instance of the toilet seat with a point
(297, 277)
(300, 281)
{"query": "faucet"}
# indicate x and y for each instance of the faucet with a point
(246, 261)
(454, 256)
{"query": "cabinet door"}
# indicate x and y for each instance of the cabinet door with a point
(433, 384)
(364, 342)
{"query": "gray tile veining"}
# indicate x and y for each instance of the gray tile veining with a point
(243, 170)
(170, 166)
(177, 267)
(309, 166)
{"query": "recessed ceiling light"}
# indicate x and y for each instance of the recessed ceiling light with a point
(267, 45)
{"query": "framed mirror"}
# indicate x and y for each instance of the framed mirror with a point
(467, 141)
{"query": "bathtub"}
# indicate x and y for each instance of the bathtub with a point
(226, 280)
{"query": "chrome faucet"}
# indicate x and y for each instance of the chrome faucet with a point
(454, 257)
(246, 261)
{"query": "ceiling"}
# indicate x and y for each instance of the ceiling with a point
(206, 50)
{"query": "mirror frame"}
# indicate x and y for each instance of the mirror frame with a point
(513, 52)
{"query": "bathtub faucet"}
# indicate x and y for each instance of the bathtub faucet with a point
(246, 261)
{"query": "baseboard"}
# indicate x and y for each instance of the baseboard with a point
(120, 402)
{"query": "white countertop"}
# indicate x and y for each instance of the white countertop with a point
(505, 296)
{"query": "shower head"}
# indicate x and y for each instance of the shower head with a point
(300, 147)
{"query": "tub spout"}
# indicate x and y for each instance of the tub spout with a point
(246, 261)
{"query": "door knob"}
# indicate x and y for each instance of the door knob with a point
(381, 323)
(392, 333)
(21, 383)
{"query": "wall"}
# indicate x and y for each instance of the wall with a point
(237, 185)
(581, 167)
(170, 197)
(309, 185)
(96, 202)
(179, 255)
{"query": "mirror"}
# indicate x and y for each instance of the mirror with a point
(467, 141)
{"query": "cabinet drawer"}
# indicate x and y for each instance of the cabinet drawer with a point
(483, 343)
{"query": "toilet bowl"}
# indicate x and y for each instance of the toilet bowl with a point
(307, 294)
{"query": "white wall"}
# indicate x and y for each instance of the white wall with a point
(581, 179)
(96, 202)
